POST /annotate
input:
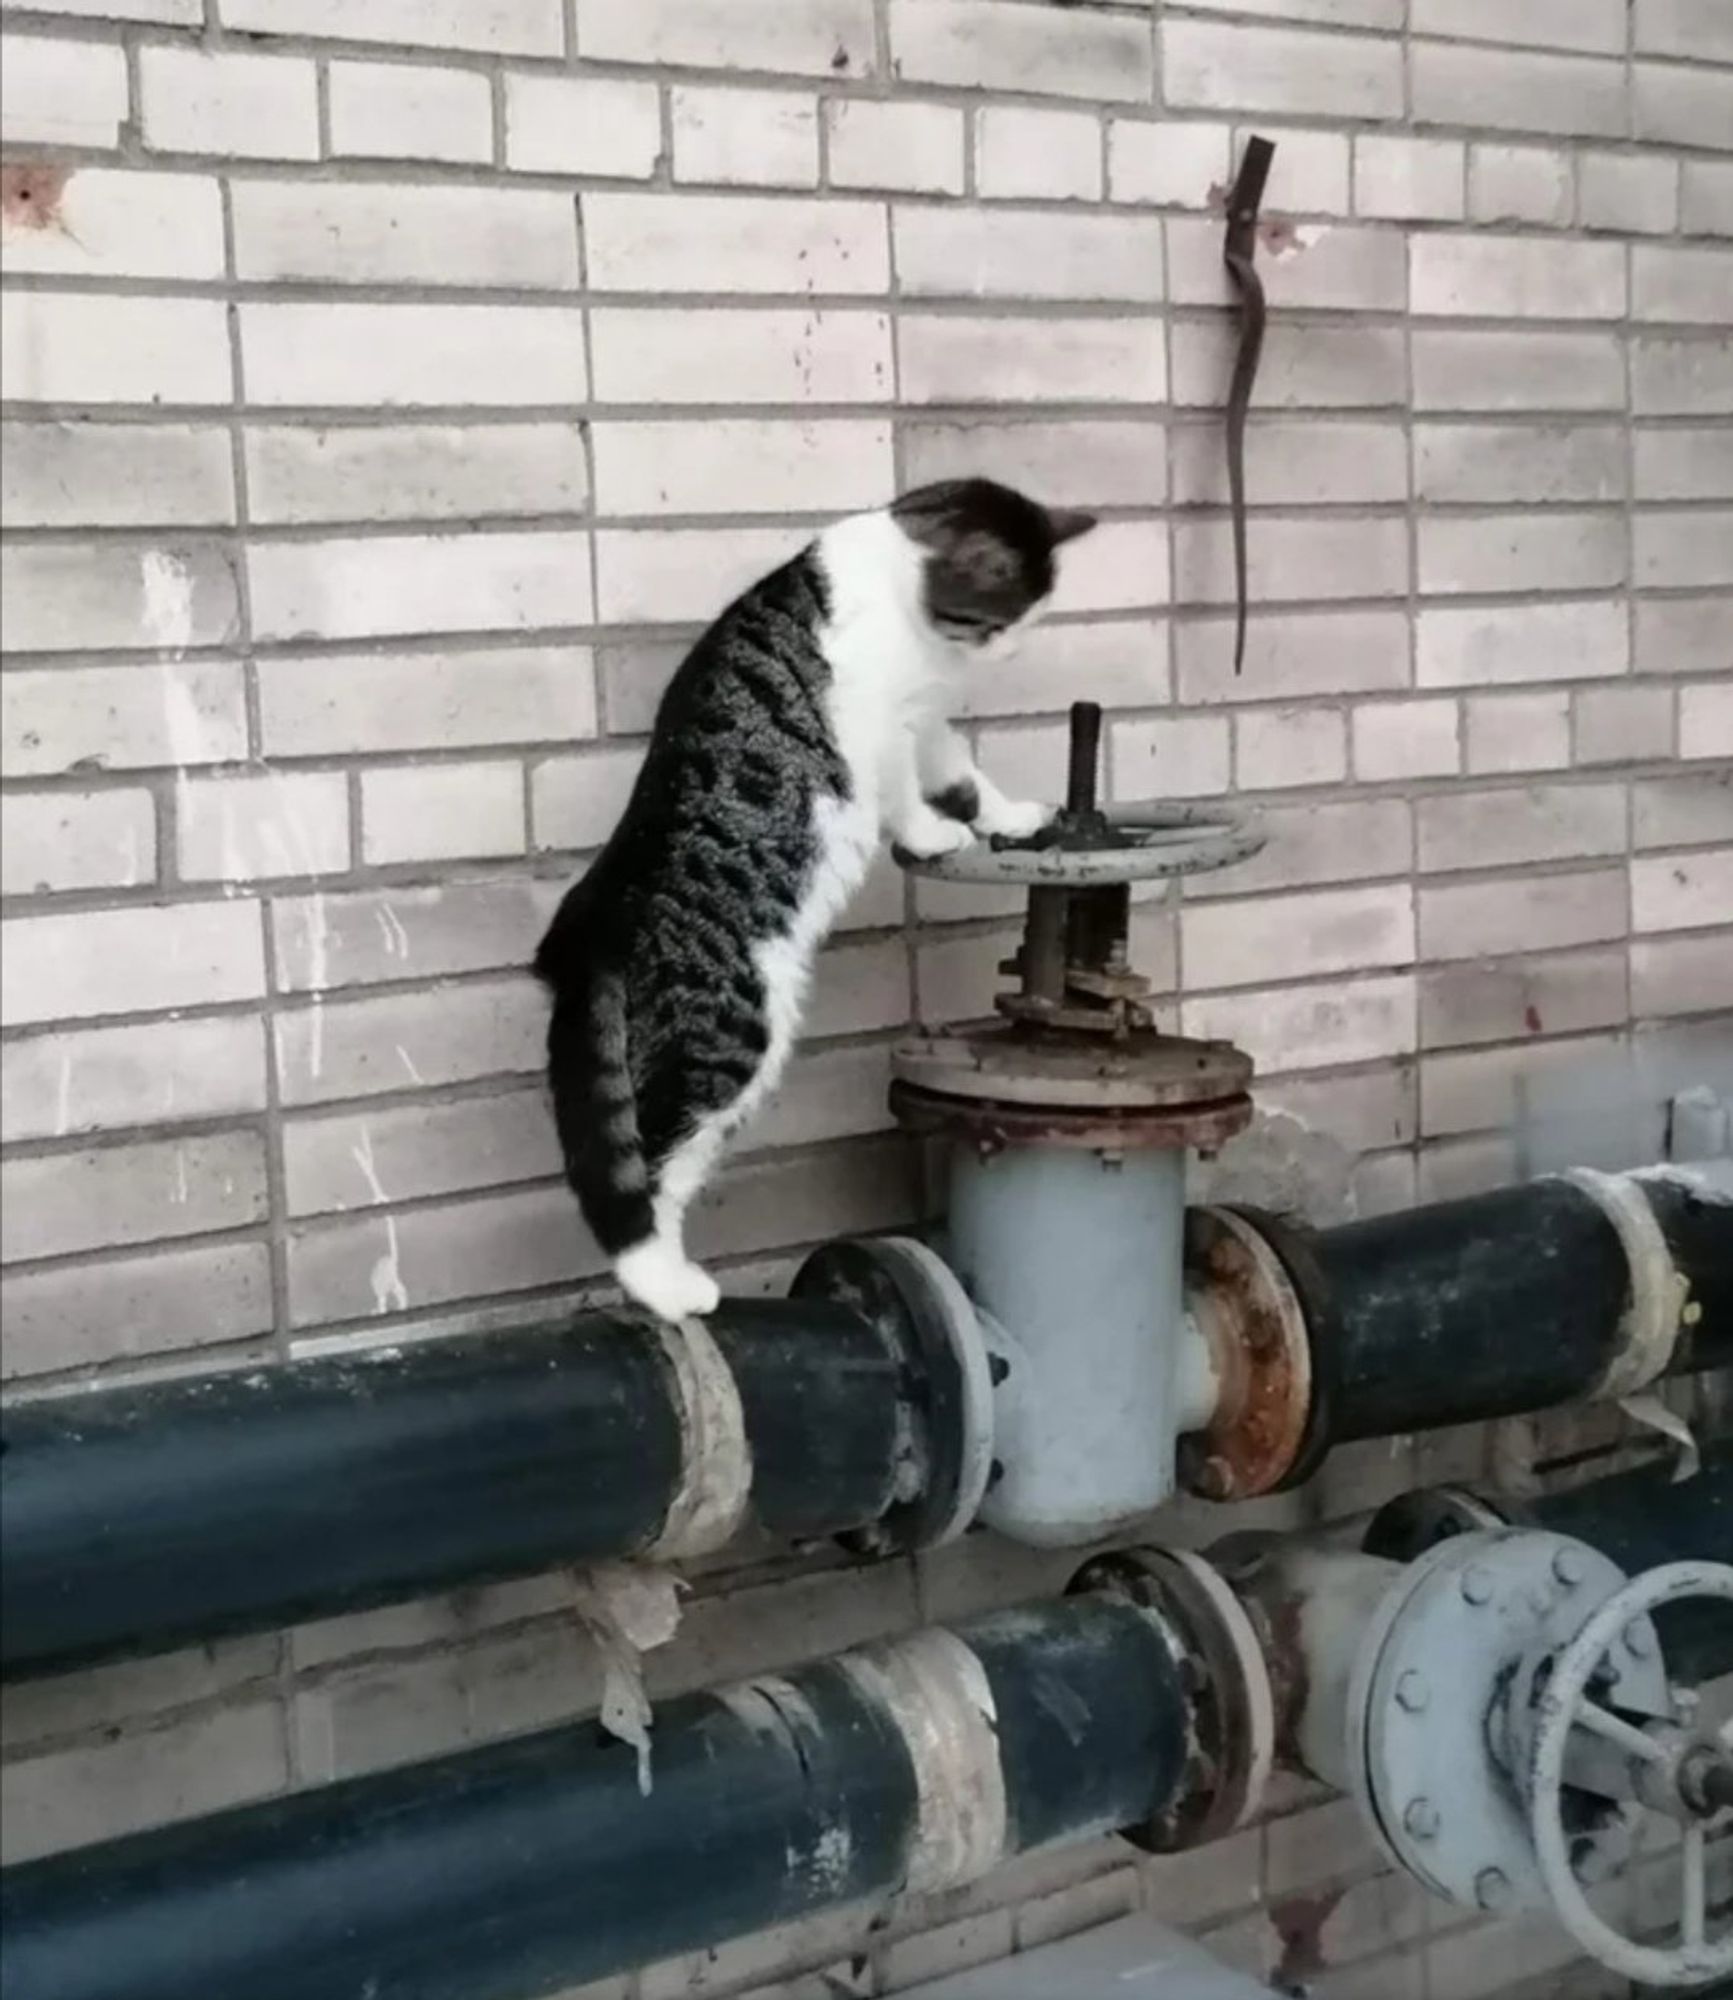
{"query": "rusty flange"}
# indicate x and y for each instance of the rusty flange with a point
(1246, 1306)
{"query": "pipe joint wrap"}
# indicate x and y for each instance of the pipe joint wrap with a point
(1649, 1327)
(715, 1488)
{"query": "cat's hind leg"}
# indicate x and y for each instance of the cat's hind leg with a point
(657, 1271)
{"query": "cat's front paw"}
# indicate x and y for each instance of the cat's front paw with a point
(927, 840)
(1016, 819)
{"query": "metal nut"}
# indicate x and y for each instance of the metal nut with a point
(1412, 1693)
(1476, 1585)
(1568, 1566)
(1214, 1479)
(1492, 1889)
(1421, 1819)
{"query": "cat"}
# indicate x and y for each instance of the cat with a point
(809, 718)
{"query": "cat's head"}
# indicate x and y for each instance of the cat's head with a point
(989, 556)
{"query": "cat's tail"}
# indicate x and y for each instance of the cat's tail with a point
(596, 1113)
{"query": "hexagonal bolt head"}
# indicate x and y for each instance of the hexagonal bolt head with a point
(1421, 1819)
(1639, 1640)
(1412, 1693)
(1492, 1890)
(1476, 1586)
(1569, 1568)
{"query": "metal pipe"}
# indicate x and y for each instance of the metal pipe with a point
(539, 1863)
(140, 1518)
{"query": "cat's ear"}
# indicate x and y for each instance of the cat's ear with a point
(1067, 523)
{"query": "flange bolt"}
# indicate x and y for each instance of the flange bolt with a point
(1568, 1566)
(1421, 1819)
(1412, 1693)
(1492, 1890)
(1476, 1586)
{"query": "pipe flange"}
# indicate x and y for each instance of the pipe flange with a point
(1231, 1713)
(911, 1293)
(1431, 1679)
(1412, 1523)
(1252, 1318)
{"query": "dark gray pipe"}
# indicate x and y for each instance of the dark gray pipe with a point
(535, 1864)
(137, 1519)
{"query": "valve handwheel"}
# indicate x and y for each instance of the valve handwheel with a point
(1684, 1775)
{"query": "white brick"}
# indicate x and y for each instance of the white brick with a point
(1354, 840)
(270, 823)
(1508, 1000)
(1215, 66)
(441, 812)
(1519, 732)
(744, 138)
(1623, 725)
(1687, 377)
(406, 1152)
(76, 840)
(501, 27)
(436, 1036)
(1023, 153)
(70, 596)
(1630, 192)
(407, 356)
(1683, 28)
(914, 148)
(1499, 277)
(1406, 739)
(1175, 165)
(1675, 892)
(1296, 463)
(578, 125)
(62, 93)
(1124, 660)
(734, 243)
(1684, 550)
(256, 107)
(1682, 635)
(122, 718)
(1593, 26)
(962, 253)
(828, 38)
(576, 802)
(1406, 178)
(1519, 824)
(1309, 174)
(389, 584)
(115, 224)
(58, 348)
(664, 576)
(1520, 642)
(1678, 105)
(1289, 747)
(1114, 462)
(960, 360)
(415, 472)
(1291, 560)
(1694, 808)
(1358, 367)
(1517, 371)
(327, 941)
(1177, 757)
(381, 232)
(1293, 657)
(1494, 462)
(74, 1315)
(1575, 95)
(145, 1073)
(1538, 551)
(74, 475)
(452, 699)
(1520, 184)
(741, 357)
(189, 955)
(1682, 284)
(718, 465)
(1235, 943)
(834, 1094)
(1705, 198)
(65, 1202)
(1491, 919)
(404, 111)
(164, 13)
(1681, 975)
(1312, 1027)
(995, 45)
(1335, 266)
(1331, 13)
(1121, 566)
(1706, 722)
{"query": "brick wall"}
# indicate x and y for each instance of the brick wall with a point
(389, 387)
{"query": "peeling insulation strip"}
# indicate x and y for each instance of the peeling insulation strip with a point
(627, 1608)
(935, 1691)
(1651, 1324)
(716, 1479)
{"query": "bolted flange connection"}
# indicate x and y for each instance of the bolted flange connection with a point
(1076, 1059)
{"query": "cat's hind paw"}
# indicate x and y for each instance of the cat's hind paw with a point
(667, 1283)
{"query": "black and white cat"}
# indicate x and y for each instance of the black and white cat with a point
(813, 715)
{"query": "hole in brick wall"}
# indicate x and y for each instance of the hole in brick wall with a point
(30, 196)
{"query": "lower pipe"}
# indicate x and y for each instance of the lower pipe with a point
(525, 1867)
